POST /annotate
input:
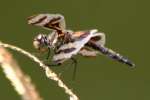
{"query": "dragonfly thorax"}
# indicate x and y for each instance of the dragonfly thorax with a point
(42, 42)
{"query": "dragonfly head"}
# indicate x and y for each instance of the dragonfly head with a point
(40, 42)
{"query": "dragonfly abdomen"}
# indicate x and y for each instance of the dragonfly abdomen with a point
(111, 54)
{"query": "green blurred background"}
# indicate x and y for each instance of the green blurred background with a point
(126, 25)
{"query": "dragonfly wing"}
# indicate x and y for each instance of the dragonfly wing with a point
(48, 21)
(87, 52)
(66, 51)
(99, 38)
(52, 39)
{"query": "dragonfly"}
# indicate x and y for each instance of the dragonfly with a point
(67, 43)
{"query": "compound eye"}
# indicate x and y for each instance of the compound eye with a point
(39, 43)
(36, 44)
(39, 37)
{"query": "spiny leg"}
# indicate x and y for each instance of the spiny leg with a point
(75, 67)
(74, 61)
(48, 54)
(54, 65)
(58, 64)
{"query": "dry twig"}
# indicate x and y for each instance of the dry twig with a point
(49, 73)
(19, 80)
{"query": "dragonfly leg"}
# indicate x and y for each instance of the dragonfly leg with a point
(48, 54)
(54, 65)
(75, 67)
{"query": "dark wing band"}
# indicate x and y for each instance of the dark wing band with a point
(49, 21)
(66, 51)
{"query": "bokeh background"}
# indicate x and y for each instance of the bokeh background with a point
(126, 25)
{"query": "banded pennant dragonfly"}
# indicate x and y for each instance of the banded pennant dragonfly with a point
(67, 43)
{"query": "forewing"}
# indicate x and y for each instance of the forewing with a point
(66, 51)
(48, 21)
